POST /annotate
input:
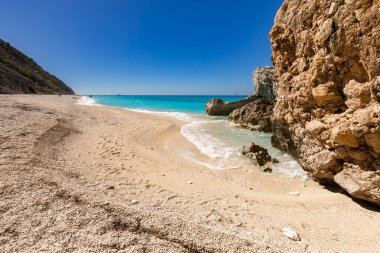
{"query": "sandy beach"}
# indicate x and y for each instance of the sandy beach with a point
(102, 179)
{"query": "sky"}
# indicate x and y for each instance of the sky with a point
(179, 47)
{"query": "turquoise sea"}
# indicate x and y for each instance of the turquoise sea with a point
(189, 104)
(213, 136)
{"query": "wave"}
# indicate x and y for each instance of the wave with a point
(84, 100)
(220, 142)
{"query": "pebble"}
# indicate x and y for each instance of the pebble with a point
(134, 201)
(290, 233)
(295, 193)
(190, 182)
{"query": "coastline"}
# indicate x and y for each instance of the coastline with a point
(109, 158)
(212, 150)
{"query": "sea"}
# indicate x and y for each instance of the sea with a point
(213, 136)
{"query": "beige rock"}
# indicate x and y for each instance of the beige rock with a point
(218, 107)
(341, 136)
(359, 155)
(360, 184)
(264, 82)
(358, 95)
(254, 116)
(373, 140)
(324, 95)
(315, 127)
(326, 59)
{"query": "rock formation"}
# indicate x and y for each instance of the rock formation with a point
(327, 61)
(20, 74)
(259, 156)
(218, 107)
(257, 115)
(254, 116)
(264, 82)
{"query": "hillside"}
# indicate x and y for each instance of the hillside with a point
(19, 74)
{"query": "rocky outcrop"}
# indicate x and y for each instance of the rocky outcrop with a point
(257, 115)
(264, 82)
(218, 107)
(254, 116)
(20, 74)
(259, 156)
(327, 61)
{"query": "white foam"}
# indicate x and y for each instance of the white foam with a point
(289, 166)
(84, 100)
(206, 143)
(187, 117)
(219, 141)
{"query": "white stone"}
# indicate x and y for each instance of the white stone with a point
(295, 193)
(290, 233)
(134, 201)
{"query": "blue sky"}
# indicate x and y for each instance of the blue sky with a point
(144, 46)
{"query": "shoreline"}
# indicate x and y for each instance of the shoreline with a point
(206, 150)
(100, 178)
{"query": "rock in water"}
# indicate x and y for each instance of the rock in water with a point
(19, 74)
(264, 82)
(254, 116)
(258, 155)
(218, 107)
(326, 56)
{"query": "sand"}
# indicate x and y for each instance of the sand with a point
(101, 179)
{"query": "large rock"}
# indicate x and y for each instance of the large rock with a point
(19, 74)
(218, 107)
(258, 156)
(254, 116)
(327, 62)
(264, 82)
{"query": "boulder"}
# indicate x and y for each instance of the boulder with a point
(218, 107)
(259, 156)
(254, 116)
(327, 113)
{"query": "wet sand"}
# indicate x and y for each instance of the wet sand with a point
(92, 178)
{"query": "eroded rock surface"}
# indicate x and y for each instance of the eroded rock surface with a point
(327, 61)
(254, 116)
(264, 82)
(259, 156)
(218, 107)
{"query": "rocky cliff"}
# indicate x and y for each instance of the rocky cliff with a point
(20, 74)
(256, 115)
(327, 61)
(264, 82)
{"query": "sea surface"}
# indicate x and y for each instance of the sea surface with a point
(213, 136)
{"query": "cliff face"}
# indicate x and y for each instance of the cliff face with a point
(256, 115)
(327, 60)
(264, 82)
(20, 74)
